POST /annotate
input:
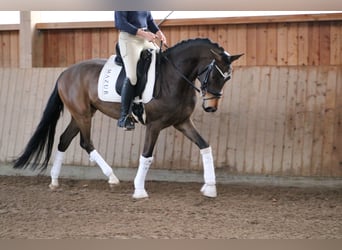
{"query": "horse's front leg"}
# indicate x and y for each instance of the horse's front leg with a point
(145, 161)
(189, 130)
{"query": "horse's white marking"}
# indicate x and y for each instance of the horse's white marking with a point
(139, 180)
(209, 188)
(139, 194)
(94, 156)
(113, 180)
(56, 169)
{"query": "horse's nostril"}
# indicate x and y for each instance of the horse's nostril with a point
(210, 109)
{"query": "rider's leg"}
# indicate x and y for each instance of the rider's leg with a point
(130, 47)
(127, 95)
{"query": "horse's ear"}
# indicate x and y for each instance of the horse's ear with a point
(235, 57)
(231, 58)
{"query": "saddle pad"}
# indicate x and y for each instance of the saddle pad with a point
(109, 75)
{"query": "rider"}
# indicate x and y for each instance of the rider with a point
(138, 31)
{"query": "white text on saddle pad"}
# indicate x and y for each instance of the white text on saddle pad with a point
(109, 75)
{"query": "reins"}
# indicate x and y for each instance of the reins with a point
(167, 59)
(176, 68)
(204, 82)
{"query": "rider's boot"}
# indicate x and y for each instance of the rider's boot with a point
(127, 94)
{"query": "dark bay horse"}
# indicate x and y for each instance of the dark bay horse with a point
(179, 67)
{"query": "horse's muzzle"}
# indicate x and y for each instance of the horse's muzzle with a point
(210, 103)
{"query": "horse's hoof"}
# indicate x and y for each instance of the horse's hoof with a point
(140, 194)
(209, 190)
(53, 187)
(113, 180)
(112, 185)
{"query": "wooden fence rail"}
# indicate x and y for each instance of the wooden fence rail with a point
(283, 121)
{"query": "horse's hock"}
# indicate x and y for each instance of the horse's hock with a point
(281, 121)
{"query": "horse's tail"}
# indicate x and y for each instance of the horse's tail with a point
(43, 138)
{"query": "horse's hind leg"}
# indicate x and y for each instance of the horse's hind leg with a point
(64, 141)
(94, 156)
(188, 129)
(68, 135)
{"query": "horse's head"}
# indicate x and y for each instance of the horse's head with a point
(213, 77)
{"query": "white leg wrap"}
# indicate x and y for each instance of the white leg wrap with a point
(209, 188)
(139, 180)
(56, 169)
(94, 156)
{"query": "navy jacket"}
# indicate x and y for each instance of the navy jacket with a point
(131, 21)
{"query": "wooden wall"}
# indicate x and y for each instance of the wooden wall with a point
(266, 41)
(273, 120)
(9, 45)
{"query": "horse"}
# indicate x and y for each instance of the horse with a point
(178, 68)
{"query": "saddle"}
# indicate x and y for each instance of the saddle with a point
(143, 66)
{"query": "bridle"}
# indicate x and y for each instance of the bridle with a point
(205, 81)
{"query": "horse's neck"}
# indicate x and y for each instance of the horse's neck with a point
(185, 60)
(191, 60)
(179, 72)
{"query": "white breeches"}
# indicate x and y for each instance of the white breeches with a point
(130, 49)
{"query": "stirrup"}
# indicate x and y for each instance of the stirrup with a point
(127, 122)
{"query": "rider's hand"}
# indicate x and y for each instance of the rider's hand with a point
(149, 36)
(161, 36)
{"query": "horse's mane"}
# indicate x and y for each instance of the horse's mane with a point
(192, 42)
